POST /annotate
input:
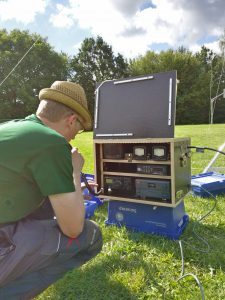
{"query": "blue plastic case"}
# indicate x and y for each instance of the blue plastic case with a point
(92, 204)
(208, 183)
(165, 221)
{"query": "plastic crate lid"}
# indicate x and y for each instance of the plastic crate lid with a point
(207, 178)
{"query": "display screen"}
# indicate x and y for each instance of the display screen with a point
(159, 152)
(139, 151)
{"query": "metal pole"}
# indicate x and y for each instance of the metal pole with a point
(211, 112)
(211, 105)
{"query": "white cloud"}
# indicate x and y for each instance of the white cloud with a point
(131, 26)
(214, 46)
(23, 11)
(62, 18)
(132, 31)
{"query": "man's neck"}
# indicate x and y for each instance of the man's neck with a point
(57, 126)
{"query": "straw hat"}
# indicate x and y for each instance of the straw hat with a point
(70, 94)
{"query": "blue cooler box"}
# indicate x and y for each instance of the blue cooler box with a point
(165, 221)
(211, 182)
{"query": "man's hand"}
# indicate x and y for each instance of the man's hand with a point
(92, 185)
(77, 161)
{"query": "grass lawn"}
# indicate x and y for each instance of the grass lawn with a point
(137, 266)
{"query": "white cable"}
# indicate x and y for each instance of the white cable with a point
(198, 282)
(19, 62)
(189, 274)
(183, 275)
(199, 220)
(182, 258)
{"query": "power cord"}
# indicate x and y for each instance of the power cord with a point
(202, 149)
(183, 275)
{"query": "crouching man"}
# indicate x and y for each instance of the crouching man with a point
(39, 179)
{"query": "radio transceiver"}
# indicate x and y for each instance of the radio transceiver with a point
(153, 169)
(153, 189)
(119, 186)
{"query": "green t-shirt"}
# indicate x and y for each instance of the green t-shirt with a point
(35, 161)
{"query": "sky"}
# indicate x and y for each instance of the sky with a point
(131, 27)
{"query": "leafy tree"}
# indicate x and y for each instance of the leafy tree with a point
(39, 68)
(148, 63)
(94, 63)
(193, 75)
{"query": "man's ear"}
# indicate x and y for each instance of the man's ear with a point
(71, 118)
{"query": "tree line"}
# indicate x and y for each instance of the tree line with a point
(201, 75)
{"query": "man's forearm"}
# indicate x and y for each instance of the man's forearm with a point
(78, 193)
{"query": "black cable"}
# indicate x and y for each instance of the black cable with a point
(201, 149)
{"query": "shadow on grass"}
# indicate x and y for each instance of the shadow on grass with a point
(98, 280)
(154, 260)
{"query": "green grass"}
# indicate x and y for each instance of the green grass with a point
(137, 266)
